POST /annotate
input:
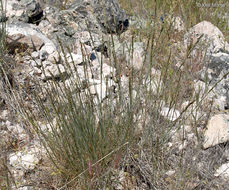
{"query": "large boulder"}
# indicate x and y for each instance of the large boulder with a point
(209, 40)
(98, 17)
(212, 39)
(30, 35)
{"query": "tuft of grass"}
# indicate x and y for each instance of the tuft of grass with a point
(85, 135)
(90, 140)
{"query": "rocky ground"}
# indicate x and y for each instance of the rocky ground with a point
(38, 34)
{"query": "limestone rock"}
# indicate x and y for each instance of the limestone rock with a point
(54, 71)
(105, 70)
(217, 131)
(35, 54)
(22, 42)
(24, 160)
(74, 58)
(125, 50)
(26, 188)
(217, 70)
(28, 30)
(110, 16)
(4, 115)
(138, 56)
(13, 8)
(223, 171)
(170, 113)
(95, 16)
(16, 130)
(212, 39)
(101, 89)
(178, 24)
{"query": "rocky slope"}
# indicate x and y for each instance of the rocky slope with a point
(34, 32)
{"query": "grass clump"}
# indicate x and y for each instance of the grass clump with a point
(91, 139)
(82, 129)
(122, 139)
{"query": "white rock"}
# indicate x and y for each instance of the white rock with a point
(44, 23)
(53, 71)
(24, 160)
(85, 37)
(4, 114)
(170, 144)
(170, 113)
(217, 130)
(79, 48)
(213, 37)
(223, 171)
(220, 55)
(49, 48)
(226, 153)
(202, 90)
(106, 71)
(178, 24)
(101, 89)
(16, 129)
(48, 126)
(156, 73)
(54, 57)
(170, 172)
(26, 188)
(75, 58)
(36, 63)
(183, 145)
(219, 102)
(36, 71)
(154, 84)
(35, 54)
(18, 13)
(46, 64)
(28, 30)
(191, 136)
(138, 55)
(11, 12)
(8, 123)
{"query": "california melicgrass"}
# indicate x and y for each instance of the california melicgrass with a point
(89, 138)
(87, 128)
(83, 129)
